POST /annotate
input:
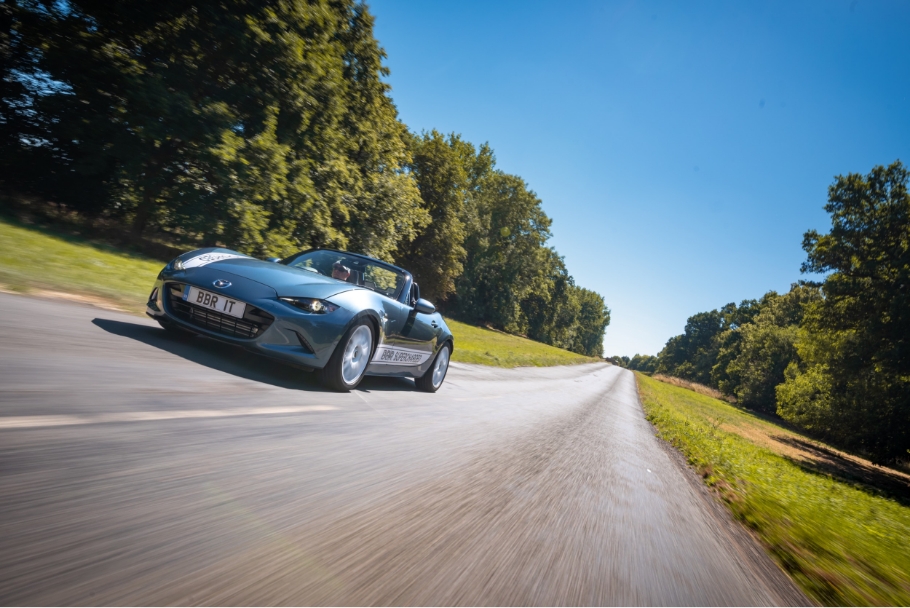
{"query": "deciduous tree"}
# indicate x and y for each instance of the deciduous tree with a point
(852, 383)
(266, 127)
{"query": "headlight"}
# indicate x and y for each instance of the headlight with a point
(175, 265)
(311, 305)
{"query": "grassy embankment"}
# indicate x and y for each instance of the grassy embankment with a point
(32, 259)
(478, 345)
(839, 525)
(36, 260)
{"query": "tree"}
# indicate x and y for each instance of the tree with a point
(644, 363)
(729, 343)
(35, 160)
(436, 256)
(711, 340)
(852, 383)
(767, 347)
(591, 322)
(551, 310)
(692, 354)
(266, 127)
(507, 260)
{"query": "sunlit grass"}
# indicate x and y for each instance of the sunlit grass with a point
(842, 540)
(477, 345)
(34, 259)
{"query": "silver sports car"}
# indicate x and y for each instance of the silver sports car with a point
(343, 314)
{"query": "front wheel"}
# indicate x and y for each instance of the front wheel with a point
(346, 367)
(432, 380)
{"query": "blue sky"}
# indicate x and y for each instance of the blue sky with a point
(681, 148)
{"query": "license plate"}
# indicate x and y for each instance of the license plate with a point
(214, 301)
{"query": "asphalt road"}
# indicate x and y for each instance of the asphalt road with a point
(138, 468)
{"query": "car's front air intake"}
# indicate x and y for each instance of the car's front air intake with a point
(253, 323)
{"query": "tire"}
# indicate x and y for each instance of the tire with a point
(175, 329)
(346, 367)
(436, 375)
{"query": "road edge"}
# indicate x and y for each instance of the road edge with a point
(742, 539)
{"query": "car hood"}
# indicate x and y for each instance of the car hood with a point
(285, 280)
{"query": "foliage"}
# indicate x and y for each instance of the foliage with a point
(852, 383)
(740, 350)
(692, 355)
(590, 323)
(729, 341)
(268, 128)
(511, 279)
(766, 348)
(436, 256)
(842, 542)
(647, 364)
(507, 260)
(834, 358)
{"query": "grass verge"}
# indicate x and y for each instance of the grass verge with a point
(34, 259)
(478, 345)
(839, 525)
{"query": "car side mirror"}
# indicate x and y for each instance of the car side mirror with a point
(276, 260)
(424, 307)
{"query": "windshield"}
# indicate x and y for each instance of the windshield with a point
(351, 269)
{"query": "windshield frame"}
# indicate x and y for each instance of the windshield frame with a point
(403, 277)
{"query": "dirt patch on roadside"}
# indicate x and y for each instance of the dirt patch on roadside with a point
(694, 386)
(820, 458)
(759, 436)
(47, 294)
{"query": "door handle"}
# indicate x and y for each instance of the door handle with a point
(433, 323)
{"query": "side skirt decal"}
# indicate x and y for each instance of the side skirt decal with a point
(395, 355)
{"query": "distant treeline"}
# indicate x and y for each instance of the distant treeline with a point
(830, 357)
(267, 127)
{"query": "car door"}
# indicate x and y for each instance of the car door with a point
(410, 337)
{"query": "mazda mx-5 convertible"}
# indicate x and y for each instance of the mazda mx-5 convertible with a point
(342, 314)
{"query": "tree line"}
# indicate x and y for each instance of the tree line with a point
(832, 357)
(268, 128)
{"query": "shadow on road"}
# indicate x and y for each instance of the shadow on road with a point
(235, 360)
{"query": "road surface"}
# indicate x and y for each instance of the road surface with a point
(140, 468)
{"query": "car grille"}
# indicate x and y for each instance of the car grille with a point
(253, 323)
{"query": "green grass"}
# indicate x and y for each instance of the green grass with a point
(33, 258)
(477, 345)
(820, 513)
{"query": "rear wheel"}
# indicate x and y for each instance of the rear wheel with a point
(433, 379)
(346, 367)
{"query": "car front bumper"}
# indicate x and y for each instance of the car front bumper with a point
(269, 327)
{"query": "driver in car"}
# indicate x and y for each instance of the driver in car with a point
(340, 271)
